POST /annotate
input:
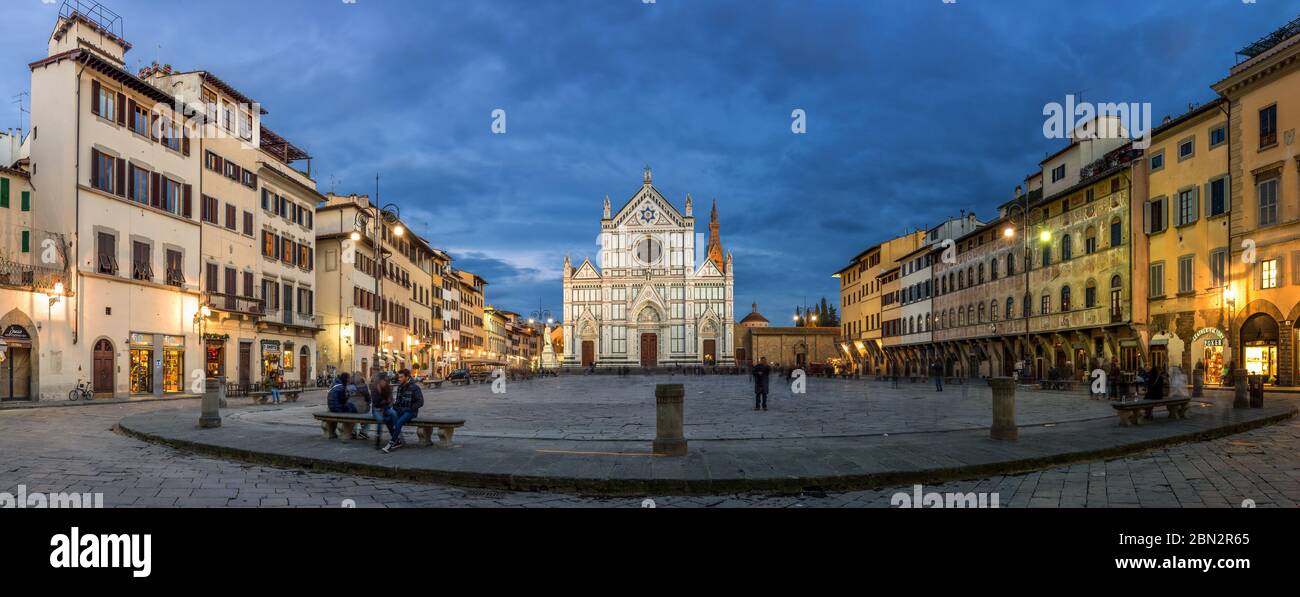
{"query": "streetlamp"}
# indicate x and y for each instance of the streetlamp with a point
(368, 215)
(1045, 237)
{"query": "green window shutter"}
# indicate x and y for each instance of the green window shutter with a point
(27, 241)
(4, 192)
(27, 201)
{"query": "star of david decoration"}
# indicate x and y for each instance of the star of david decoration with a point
(648, 215)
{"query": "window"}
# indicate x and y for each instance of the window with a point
(175, 269)
(993, 270)
(105, 104)
(208, 210)
(1156, 216)
(270, 244)
(139, 120)
(1011, 265)
(1218, 135)
(1047, 255)
(1187, 207)
(1011, 307)
(1116, 232)
(1268, 202)
(4, 193)
(1268, 127)
(1157, 280)
(1268, 274)
(1067, 247)
(1116, 296)
(231, 224)
(1187, 148)
(248, 223)
(1090, 295)
(26, 200)
(139, 191)
(1065, 298)
(106, 253)
(141, 261)
(107, 173)
(1158, 161)
(1045, 305)
(25, 245)
(1218, 197)
(1090, 241)
(1218, 268)
(1058, 173)
(1186, 282)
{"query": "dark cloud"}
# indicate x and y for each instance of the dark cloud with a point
(916, 110)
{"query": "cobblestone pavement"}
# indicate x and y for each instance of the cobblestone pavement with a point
(75, 450)
(721, 407)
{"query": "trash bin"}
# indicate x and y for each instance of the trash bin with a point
(1255, 387)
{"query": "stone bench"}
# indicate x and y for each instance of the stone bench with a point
(261, 396)
(1132, 414)
(432, 384)
(330, 424)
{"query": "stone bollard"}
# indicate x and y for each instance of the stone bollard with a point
(1004, 409)
(1240, 398)
(669, 403)
(213, 399)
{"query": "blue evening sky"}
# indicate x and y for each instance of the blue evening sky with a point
(916, 109)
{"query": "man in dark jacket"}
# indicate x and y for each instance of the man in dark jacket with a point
(407, 401)
(762, 375)
(936, 371)
(338, 397)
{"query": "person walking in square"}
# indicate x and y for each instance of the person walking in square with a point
(937, 372)
(762, 375)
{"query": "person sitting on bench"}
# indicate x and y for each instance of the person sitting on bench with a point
(338, 402)
(407, 400)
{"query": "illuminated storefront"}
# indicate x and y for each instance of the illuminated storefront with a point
(173, 366)
(142, 368)
(1259, 337)
(270, 358)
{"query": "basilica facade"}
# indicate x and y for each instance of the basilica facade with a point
(650, 301)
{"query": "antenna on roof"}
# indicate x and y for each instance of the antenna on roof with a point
(18, 99)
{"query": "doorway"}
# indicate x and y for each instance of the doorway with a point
(649, 351)
(15, 373)
(304, 363)
(245, 364)
(588, 353)
(710, 352)
(103, 368)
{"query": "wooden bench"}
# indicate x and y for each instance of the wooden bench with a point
(1129, 411)
(432, 384)
(261, 396)
(330, 424)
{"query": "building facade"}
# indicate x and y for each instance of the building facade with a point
(861, 294)
(1263, 94)
(651, 303)
(117, 169)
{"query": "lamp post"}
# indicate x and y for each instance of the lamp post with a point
(366, 216)
(1045, 237)
(541, 314)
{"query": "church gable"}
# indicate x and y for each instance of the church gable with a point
(648, 295)
(708, 270)
(648, 207)
(586, 271)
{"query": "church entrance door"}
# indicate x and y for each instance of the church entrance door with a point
(649, 350)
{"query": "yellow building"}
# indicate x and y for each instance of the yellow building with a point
(1263, 92)
(1188, 195)
(473, 332)
(860, 301)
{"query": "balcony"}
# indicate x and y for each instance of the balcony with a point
(237, 305)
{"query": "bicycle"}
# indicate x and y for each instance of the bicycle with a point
(81, 392)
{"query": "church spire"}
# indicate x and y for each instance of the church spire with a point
(715, 241)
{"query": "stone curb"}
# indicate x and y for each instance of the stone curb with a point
(690, 487)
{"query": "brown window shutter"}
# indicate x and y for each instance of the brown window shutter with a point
(121, 109)
(155, 190)
(94, 97)
(94, 168)
(188, 204)
(120, 188)
(130, 183)
(185, 140)
(130, 112)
